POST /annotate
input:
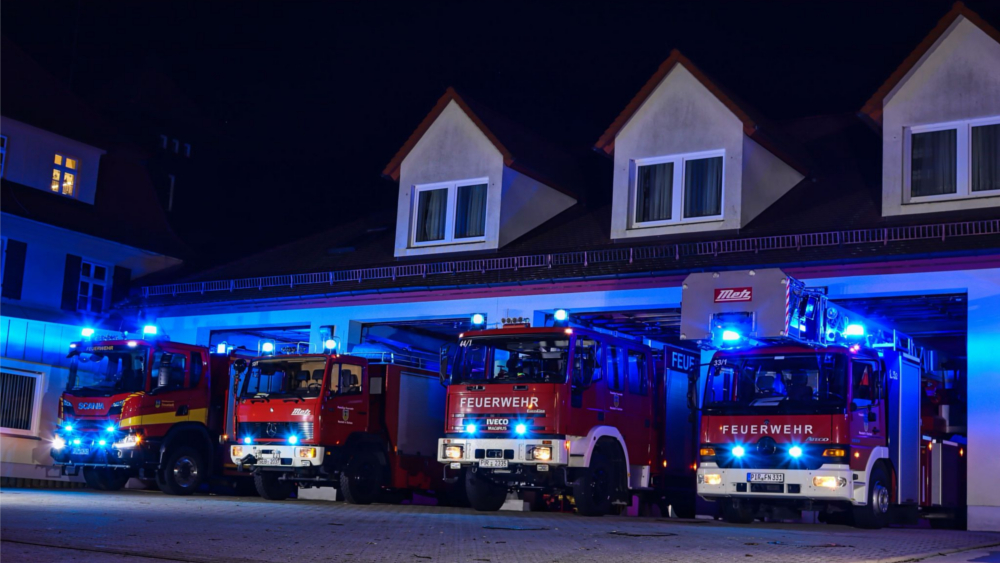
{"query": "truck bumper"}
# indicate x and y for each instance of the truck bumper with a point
(264, 456)
(502, 453)
(94, 455)
(829, 483)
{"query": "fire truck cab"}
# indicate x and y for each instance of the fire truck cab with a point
(806, 405)
(329, 420)
(554, 409)
(146, 408)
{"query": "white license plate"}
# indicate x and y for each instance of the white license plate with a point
(81, 451)
(766, 477)
(493, 463)
(269, 461)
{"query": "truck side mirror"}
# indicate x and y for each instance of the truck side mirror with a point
(692, 394)
(443, 355)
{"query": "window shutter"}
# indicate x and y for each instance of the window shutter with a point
(71, 282)
(120, 283)
(13, 268)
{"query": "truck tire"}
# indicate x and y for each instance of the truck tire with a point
(184, 472)
(595, 487)
(361, 480)
(103, 479)
(737, 511)
(876, 514)
(484, 495)
(269, 487)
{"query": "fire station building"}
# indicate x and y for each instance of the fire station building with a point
(492, 219)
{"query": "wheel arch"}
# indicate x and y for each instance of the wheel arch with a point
(191, 434)
(585, 447)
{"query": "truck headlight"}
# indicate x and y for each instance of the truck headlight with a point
(453, 452)
(307, 452)
(541, 453)
(58, 443)
(237, 451)
(829, 481)
(130, 441)
(713, 479)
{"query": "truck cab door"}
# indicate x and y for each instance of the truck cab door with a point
(166, 402)
(587, 389)
(345, 408)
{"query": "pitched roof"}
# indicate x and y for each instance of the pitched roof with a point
(873, 107)
(754, 125)
(125, 209)
(522, 150)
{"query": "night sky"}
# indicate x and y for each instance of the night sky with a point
(313, 99)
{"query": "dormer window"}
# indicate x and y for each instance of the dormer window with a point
(953, 160)
(678, 189)
(64, 171)
(450, 212)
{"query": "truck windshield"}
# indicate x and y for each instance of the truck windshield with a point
(512, 359)
(807, 383)
(108, 372)
(297, 377)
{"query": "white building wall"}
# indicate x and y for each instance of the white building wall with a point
(526, 204)
(452, 148)
(31, 152)
(765, 179)
(45, 259)
(680, 116)
(957, 79)
(981, 285)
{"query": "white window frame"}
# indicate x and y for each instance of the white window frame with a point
(63, 170)
(3, 153)
(40, 373)
(451, 209)
(963, 160)
(677, 205)
(106, 283)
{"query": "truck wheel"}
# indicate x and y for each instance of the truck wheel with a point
(361, 480)
(484, 495)
(269, 487)
(876, 514)
(593, 490)
(737, 511)
(103, 479)
(183, 473)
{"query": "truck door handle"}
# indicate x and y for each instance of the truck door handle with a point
(182, 410)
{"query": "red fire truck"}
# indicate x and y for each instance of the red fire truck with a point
(146, 408)
(328, 420)
(568, 410)
(809, 406)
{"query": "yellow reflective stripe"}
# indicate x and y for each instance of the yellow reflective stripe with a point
(197, 415)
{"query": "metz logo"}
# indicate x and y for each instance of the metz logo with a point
(90, 406)
(301, 412)
(733, 294)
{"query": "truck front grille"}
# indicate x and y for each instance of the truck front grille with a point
(276, 430)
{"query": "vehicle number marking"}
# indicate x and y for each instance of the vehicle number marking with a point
(497, 463)
(766, 477)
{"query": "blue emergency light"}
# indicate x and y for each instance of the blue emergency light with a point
(150, 330)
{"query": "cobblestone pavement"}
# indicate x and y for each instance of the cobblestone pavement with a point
(142, 527)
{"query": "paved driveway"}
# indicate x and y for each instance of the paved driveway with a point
(141, 527)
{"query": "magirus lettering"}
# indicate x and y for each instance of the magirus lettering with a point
(733, 294)
(498, 402)
(301, 412)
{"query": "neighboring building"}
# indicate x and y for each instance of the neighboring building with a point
(487, 222)
(80, 221)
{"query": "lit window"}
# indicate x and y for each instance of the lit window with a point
(679, 188)
(93, 288)
(64, 173)
(953, 160)
(450, 212)
(3, 152)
